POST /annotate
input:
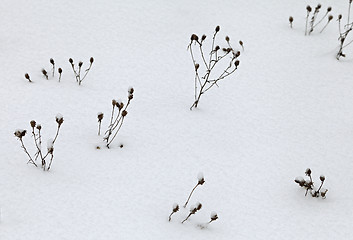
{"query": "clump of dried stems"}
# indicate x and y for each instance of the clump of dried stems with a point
(314, 16)
(205, 81)
(309, 185)
(37, 137)
(118, 114)
(344, 32)
(78, 71)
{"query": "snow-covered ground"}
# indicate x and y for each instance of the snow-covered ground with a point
(288, 107)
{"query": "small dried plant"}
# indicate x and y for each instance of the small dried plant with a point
(60, 72)
(193, 210)
(175, 209)
(78, 71)
(201, 181)
(313, 21)
(100, 118)
(45, 73)
(205, 81)
(344, 32)
(53, 64)
(37, 137)
(118, 114)
(309, 185)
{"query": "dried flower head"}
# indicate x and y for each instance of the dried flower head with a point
(194, 37)
(330, 17)
(200, 178)
(217, 29)
(39, 127)
(91, 60)
(59, 119)
(340, 17)
(71, 61)
(197, 66)
(114, 102)
(198, 206)
(20, 133)
(214, 216)
(80, 64)
(124, 113)
(322, 178)
(100, 116)
(236, 63)
(329, 9)
(227, 38)
(60, 70)
(291, 19)
(308, 8)
(175, 207)
(308, 172)
(33, 123)
(52, 61)
(131, 90)
(203, 37)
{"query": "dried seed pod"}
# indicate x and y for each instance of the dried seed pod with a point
(59, 119)
(217, 29)
(203, 37)
(194, 37)
(291, 19)
(236, 63)
(27, 77)
(175, 208)
(33, 123)
(91, 60)
(330, 17)
(329, 9)
(39, 127)
(217, 48)
(114, 102)
(131, 90)
(45, 73)
(124, 113)
(340, 17)
(308, 8)
(100, 116)
(52, 61)
(197, 66)
(71, 61)
(198, 206)
(80, 64)
(227, 38)
(308, 171)
(200, 178)
(322, 178)
(60, 70)
(214, 216)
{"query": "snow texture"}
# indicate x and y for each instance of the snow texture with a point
(289, 106)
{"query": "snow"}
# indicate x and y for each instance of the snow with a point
(50, 144)
(288, 107)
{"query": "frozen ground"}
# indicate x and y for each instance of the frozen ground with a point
(288, 107)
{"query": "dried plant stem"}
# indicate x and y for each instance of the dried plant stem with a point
(324, 26)
(187, 201)
(25, 149)
(170, 216)
(51, 160)
(57, 133)
(321, 20)
(99, 127)
(349, 11)
(187, 217)
(116, 133)
(306, 23)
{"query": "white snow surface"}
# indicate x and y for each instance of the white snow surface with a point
(288, 107)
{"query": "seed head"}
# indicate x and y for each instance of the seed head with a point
(45, 73)
(59, 119)
(291, 19)
(236, 63)
(80, 64)
(33, 123)
(100, 116)
(71, 61)
(322, 178)
(237, 54)
(27, 77)
(241, 43)
(203, 37)
(91, 60)
(131, 96)
(308, 172)
(20, 133)
(39, 127)
(194, 37)
(198, 206)
(318, 6)
(52, 61)
(175, 207)
(131, 90)
(121, 146)
(340, 17)
(120, 105)
(124, 113)
(227, 39)
(329, 9)
(197, 66)
(330, 17)
(60, 70)
(308, 8)
(217, 48)
(200, 178)
(214, 216)
(114, 102)
(217, 29)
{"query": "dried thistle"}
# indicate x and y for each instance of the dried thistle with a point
(175, 209)
(45, 73)
(201, 181)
